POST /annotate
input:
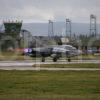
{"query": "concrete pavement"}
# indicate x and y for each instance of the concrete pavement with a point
(48, 69)
(32, 62)
(28, 65)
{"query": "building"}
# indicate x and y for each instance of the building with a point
(10, 38)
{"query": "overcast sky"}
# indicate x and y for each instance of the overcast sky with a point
(43, 10)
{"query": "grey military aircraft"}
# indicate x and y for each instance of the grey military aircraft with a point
(55, 52)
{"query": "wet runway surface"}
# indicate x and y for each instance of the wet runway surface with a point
(30, 62)
(48, 69)
(28, 65)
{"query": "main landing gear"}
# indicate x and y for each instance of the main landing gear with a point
(69, 59)
(43, 59)
(55, 59)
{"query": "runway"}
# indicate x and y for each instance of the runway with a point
(48, 69)
(32, 62)
(28, 65)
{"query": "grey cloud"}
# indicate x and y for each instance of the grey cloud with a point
(42, 10)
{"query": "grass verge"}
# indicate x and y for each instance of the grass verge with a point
(46, 85)
(85, 65)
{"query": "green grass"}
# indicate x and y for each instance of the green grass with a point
(46, 85)
(13, 56)
(85, 65)
(18, 56)
(88, 57)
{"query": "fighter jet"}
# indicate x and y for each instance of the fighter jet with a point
(55, 52)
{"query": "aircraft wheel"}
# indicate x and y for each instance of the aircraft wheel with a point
(69, 60)
(54, 59)
(43, 59)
